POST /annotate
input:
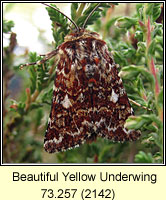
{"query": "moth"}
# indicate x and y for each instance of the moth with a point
(89, 99)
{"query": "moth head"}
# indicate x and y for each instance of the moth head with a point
(81, 33)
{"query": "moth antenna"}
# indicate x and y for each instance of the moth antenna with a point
(63, 15)
(90, 14)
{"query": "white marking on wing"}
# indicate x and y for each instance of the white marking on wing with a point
(114, 96)
(56, 141)
(66, 102)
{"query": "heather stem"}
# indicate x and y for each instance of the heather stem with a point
(80, 10)
(151, 64)
(107, 18)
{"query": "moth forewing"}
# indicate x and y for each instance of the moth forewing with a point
(89, 99)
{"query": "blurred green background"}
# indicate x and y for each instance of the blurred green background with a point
(134, 35)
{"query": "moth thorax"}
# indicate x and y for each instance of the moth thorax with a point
(89, 70)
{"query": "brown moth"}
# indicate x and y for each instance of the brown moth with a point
(89, 99)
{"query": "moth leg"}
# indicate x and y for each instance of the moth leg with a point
(137, 104)
(47, 57)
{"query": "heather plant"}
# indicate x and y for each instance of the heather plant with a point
(136, 42)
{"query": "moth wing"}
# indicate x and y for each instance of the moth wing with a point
(88, 99)
(110, 99)
(69, 121)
